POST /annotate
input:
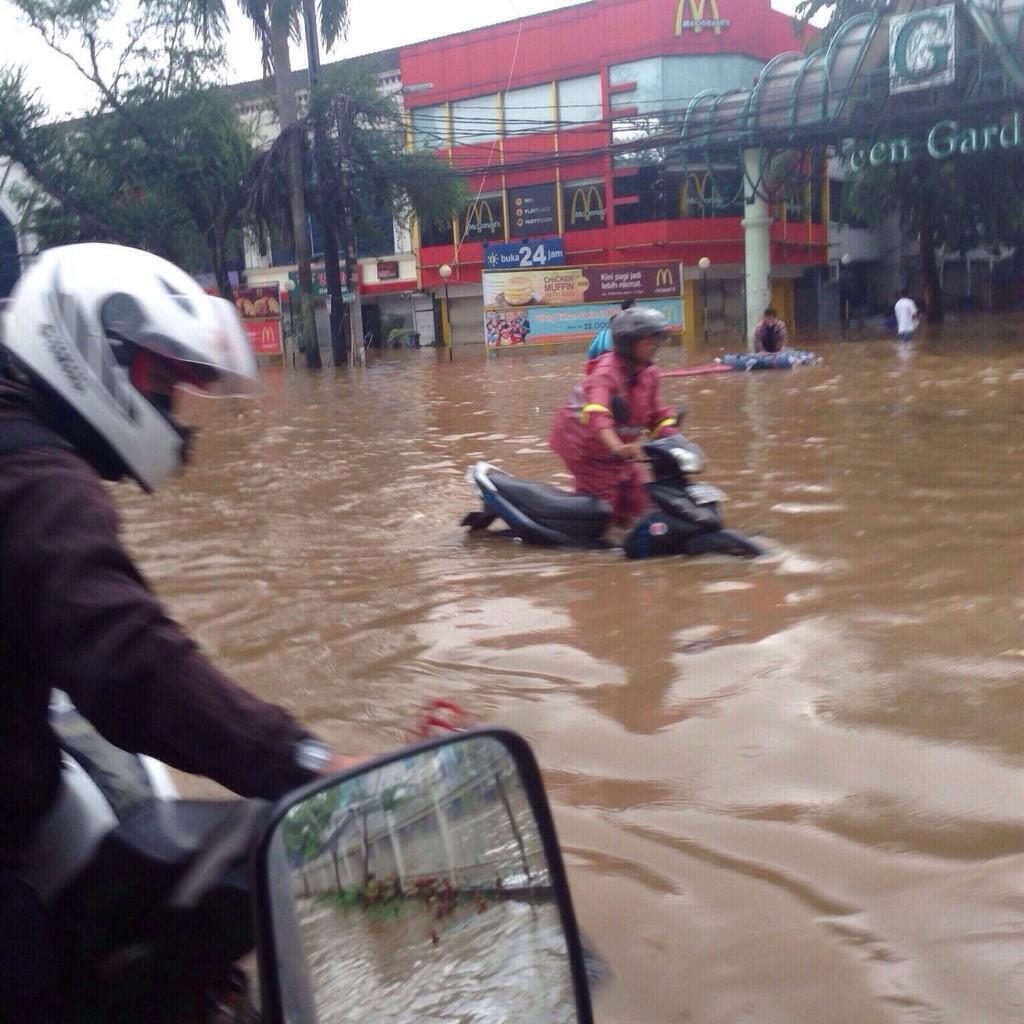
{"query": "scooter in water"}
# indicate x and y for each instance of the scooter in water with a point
(686, 518)
(426, 884)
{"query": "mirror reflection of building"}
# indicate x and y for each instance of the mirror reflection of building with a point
(418, 882)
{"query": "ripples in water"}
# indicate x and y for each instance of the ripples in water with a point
(789, 790)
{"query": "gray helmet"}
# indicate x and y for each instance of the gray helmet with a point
(630, 325)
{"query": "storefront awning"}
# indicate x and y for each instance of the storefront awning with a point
(845, 88)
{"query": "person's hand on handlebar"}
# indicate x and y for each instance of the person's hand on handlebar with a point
(342, 762)
(619, 449)
(632, 452)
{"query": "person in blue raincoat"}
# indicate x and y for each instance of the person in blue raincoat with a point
(603, 339)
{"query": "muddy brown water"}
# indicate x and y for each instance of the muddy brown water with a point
(788, 790)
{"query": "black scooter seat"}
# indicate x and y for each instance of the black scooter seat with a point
(551, 506)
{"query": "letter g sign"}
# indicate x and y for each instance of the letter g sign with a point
(921, 49)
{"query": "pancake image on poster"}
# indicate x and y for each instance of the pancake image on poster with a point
(519, 290)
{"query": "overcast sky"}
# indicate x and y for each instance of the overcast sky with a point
(375, 25)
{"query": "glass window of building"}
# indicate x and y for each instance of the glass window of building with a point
(579, 100)
(436, 232)
(429, 127)
(484, 220)
(644, 81)
(528, 110)
(838, 206)
(641, 194)
(701, 192)
(686, 75)
(816, 199)
(584, 205)
(475, 120)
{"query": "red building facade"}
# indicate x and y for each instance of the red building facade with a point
(563, 124)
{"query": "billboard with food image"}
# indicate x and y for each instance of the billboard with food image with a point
(573, 303)
(258, 303)
(260, 310)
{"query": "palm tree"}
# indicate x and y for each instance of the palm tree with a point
(277, 23)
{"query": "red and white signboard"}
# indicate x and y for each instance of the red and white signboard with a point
(264, 336)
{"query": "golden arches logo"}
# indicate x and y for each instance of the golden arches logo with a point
(587, 204)
(694, 190)
(703, 14)
(664, 278)
(268, 336)
(476, 221)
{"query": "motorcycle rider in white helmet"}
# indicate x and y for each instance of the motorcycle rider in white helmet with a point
(98, 338)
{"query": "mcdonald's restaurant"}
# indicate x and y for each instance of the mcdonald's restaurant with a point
(563, 127)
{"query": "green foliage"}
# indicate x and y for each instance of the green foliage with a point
(164, 45)
(304, 829)
(163, 174)
(161, 161)
(964, 202)
(364, 135)
(385, 176)
(954, 204)
(840, 11)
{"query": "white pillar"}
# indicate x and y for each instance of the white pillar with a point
(446, 838)
(396, 850)
(757, 245)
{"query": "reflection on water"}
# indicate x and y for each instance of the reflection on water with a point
(436, 849)
(789, 790)
(483, 963)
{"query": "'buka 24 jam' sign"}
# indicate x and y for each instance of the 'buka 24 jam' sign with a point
(947, 138)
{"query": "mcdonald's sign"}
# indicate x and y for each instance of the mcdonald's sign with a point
(485, 219)
(264, 336)
(703, 14)
(664, 279)
(584, 206)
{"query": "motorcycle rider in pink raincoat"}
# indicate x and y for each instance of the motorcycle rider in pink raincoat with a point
(618, 400)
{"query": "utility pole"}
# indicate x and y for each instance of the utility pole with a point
(324, 176)
(288, 113)
(346, 127)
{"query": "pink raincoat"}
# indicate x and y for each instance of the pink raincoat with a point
(574, 433)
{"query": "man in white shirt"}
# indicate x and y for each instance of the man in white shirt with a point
(907, 316)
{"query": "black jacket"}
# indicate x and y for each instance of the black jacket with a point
(76, 614)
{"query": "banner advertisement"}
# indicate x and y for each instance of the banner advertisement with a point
(538, 252)
(319, 281)
(574, 285)
(258, 303)
(539, 325)
(532, 210)
(264, 336)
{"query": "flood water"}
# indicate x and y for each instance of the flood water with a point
(788, 790)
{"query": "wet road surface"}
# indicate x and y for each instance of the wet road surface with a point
(788, 790)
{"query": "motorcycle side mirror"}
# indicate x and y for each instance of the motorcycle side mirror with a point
(424, 885)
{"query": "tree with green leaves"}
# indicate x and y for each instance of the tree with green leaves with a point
(366, 178)
(839, 12)
(160, 161)
(950, 205)
(953, 205)
(277, 23)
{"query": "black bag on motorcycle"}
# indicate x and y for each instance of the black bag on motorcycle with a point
(150, 929)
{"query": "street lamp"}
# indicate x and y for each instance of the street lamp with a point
(704, 263)
(844, 289)
(445, 271)
(291, 285)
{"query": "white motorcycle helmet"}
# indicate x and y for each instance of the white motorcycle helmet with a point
(111, 331)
